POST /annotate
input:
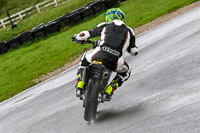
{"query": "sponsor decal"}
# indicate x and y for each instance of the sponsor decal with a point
(111, 51)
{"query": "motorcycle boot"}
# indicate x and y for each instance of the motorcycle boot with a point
(109, 91)
(80, 84)
(117, 82)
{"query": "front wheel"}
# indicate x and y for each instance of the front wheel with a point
(91, 100)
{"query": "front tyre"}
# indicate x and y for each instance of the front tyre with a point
(91, 100)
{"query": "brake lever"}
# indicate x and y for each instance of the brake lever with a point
(76, 41)
(83, 41)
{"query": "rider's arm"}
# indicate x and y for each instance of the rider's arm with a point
(132, 49)
(97, 30)
(84, 35)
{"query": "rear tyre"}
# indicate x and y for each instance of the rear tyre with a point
(91, 100)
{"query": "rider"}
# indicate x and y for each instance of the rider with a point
(116, 39)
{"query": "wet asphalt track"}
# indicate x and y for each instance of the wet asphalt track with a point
(161, 96)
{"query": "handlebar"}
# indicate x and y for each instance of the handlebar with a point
(90, 41)
(94, 43)
(83, 41)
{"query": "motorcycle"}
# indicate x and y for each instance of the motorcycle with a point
(95, 78)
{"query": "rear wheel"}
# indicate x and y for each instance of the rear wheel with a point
(91, 100)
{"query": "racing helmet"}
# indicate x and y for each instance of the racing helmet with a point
(114, 14)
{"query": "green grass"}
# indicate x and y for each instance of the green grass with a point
(44, 17)
(19, 4)
(19, 67)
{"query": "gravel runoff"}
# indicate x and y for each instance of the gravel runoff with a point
(137, 31)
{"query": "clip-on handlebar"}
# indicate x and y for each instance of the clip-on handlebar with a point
(84, 41)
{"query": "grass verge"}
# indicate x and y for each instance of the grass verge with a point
(19, 67)
(44, 17)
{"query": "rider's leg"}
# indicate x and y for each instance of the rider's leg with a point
(80, 84)
(123, 73)
(85, 61)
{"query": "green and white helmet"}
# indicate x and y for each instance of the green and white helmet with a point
(114, 14)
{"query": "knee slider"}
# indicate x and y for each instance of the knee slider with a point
(124, 76)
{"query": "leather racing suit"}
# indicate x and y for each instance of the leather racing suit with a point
(116, 40)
